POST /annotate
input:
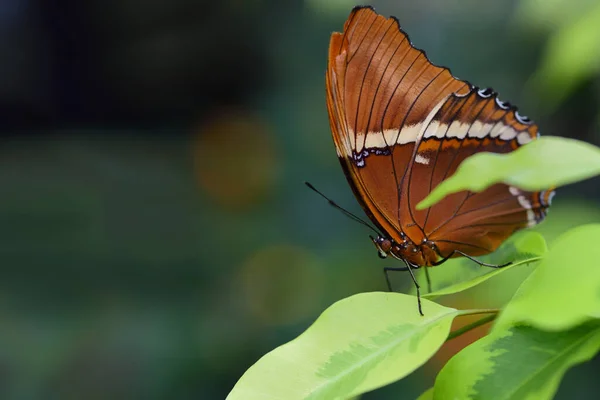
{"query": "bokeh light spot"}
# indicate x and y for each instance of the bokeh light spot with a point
(235, 159)
(282, 284)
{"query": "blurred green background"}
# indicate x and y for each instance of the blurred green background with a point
(156, 237)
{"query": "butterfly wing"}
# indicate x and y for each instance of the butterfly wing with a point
(380, 93)
(401, 125)
(474, 223)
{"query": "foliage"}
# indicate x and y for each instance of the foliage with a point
(520, 362)
(358, 344)
(570, 56)
(542, 164)
(551, 324)
(523, 249)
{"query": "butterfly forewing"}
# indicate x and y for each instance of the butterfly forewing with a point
(380, 92)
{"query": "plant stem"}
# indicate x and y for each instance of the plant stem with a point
(471, 326)
(479, 311)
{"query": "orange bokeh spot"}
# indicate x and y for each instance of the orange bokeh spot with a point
(235, 158)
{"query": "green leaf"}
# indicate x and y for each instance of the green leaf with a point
(553, 16)
(358, 344)
(426, 395)
(459, 287)
(542, 164)
(564, 290)
(521, 363)
(571, 56)
(461, 274)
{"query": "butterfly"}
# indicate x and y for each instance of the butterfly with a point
(401, 125)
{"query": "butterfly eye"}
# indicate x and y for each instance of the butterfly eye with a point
(383, 245)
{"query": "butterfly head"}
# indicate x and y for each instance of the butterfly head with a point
(405, 250)
(383, 245)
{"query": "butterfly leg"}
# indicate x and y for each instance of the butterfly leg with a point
(386, 271)
(444, 259)
(416, 286)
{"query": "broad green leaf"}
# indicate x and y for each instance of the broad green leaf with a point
(564, 290)
(459, 287)
(461, 274)
(539, 165)
(426, 395)
(568, 214)
(521, 363)
(356, 345)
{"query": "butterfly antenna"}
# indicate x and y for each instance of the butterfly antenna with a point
(343, 210)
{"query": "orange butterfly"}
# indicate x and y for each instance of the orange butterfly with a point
(401, 125)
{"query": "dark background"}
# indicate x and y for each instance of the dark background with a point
(156, 237)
